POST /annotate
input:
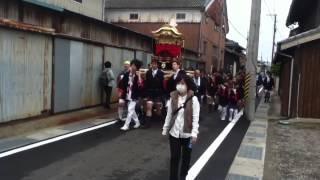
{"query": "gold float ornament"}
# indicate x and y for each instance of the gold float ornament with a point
(163, 65)
(168, 34)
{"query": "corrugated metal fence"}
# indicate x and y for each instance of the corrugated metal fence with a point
(26, 70)
(25, 74)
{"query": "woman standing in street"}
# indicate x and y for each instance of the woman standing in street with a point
(182, 123)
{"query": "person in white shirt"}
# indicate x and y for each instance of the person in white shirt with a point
(182, 123)
(131, 86)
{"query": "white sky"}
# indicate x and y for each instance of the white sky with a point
(239, 15)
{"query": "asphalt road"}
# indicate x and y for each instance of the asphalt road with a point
(110, 154)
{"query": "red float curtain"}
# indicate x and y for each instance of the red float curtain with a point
(168, 50)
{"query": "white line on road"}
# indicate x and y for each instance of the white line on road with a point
(204, 158)
(55, 139)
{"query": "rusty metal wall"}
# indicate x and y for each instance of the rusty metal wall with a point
(106, 33)
(78, 66)
(8, 9)
(77, 26)
(25, 74)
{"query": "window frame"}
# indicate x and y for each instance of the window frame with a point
(78, 1)
(133, 14)
(182, 14)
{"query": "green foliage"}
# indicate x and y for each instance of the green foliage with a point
(275, 69)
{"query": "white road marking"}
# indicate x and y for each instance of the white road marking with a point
(55, 139)
(204, 158)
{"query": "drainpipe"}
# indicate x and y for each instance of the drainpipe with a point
(290, 90)
(103, 10)
(298, 97)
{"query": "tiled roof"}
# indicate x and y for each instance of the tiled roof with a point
(146, 4)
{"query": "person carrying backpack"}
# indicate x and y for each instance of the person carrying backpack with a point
(107, 81)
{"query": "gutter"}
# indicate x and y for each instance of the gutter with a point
(44, 4)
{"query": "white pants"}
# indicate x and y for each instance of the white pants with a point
(232, 113)
(131, 113)
(223, 111)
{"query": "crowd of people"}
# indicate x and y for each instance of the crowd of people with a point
(179, 97)
(220, 90)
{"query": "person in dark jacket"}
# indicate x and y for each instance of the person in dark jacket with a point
(268, 85)
(154, 89)
(177, 74)
(131, 86)
(223, 99)
(201, 85)
(121, 106)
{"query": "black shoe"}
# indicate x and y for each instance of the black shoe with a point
(119, 122)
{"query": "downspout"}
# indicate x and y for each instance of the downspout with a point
(290, 90)
(298, 97)
(103, 10)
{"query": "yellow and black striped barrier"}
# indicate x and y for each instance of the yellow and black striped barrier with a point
(247, 86)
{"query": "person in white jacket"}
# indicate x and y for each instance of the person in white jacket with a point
(182, 123)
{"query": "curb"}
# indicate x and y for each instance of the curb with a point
(249, 161)
(15, 128)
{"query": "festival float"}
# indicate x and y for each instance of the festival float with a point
(168, 47)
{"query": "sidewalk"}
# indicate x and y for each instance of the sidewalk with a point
(273, 151)
(249, 161)
(23, 133)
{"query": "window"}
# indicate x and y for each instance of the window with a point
(79, 1)
(180, 16)
(216, 27)
(134, 16)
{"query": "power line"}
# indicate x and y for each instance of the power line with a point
(265, 2)
(234, 27)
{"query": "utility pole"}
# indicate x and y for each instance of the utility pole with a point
(252, 54)
(221, 30)
(274, 34)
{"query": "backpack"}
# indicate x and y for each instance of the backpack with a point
(103, 79)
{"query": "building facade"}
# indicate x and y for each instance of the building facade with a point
(51, 58)
(299, 58)
(234, 57)
(203, 24)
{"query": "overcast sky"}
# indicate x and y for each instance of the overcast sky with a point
(239, 20)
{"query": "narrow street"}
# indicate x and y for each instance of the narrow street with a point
(109, 153)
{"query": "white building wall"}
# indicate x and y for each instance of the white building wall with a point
(192, 16)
